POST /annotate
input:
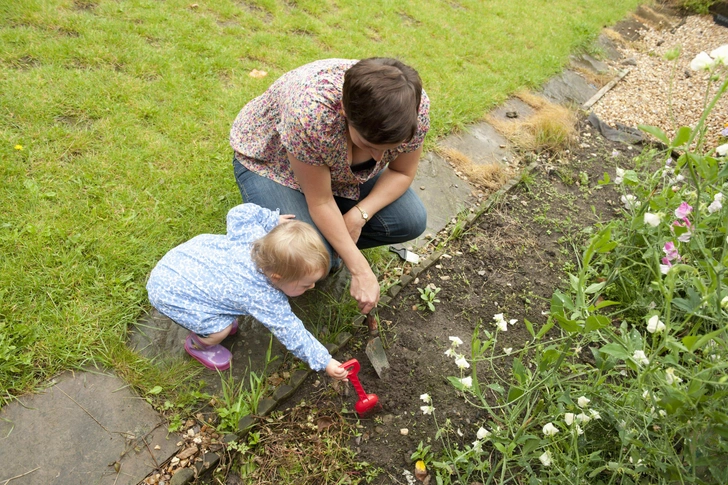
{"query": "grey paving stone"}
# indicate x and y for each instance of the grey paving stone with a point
(73, 433)
(569, 88)
(442, 192)
(481, 143)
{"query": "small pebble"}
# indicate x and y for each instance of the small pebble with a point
(404, 431)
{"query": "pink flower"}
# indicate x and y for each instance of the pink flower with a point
(682, 235)
(683, 211)
(670, 251)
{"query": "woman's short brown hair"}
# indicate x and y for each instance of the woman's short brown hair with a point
(292, 250)
(381, 99)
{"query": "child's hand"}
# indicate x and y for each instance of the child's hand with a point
(285, 218)
(335, 371)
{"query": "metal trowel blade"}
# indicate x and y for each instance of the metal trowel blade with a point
(377, 357)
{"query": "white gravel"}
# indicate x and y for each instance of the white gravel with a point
(668, 94)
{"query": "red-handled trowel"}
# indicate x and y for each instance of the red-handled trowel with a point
(375, 350)
(367, 403)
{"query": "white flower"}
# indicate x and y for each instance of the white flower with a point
(456, 342)
(652, 219)
(662, 413)
(498, 316)
(718, 197)
(482, 433)
(550, 430)
(568, 418)
(427, 409)
(645, 394)
(722, 150)
(512, 321)
(583, 401)
(579, 431)
(702, 62)
(664, 268)
(715, 206)
(655, 325)
(619, 175)
(640, 357)
(595, 414)
(545, 459)
(467, 382)
(508, 350)
(630, 201)
(720, 54)
(502, 325)
(477, 446)
(426, 398)
(450, 352)
(583, 418)
(462, 363)
(671, 378)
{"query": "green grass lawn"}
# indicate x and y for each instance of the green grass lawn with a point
(123, 109)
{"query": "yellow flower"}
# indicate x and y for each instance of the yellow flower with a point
(420, 470)
(18, 147)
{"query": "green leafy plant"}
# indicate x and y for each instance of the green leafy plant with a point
(238, 401)
(428, 295)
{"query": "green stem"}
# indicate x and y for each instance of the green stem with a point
(707, 111)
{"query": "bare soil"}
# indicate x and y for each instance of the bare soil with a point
(509, 261)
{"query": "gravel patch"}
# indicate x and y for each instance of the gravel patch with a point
(663, 93)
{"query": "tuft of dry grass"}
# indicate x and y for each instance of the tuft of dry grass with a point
(552, 127)
(597, 79)
(490, 175)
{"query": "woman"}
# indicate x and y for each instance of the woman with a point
(337, 143)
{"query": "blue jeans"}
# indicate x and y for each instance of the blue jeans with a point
(401, 221)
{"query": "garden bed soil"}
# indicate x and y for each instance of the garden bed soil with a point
(510, 260)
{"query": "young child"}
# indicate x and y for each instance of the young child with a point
(207, 282)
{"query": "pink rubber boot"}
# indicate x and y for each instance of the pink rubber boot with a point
(215, 357)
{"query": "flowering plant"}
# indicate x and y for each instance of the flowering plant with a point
(650, 302)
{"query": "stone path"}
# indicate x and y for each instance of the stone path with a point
(89, 428)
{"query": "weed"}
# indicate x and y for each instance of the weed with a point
(527, 180)
(428, 295)
(458, 229)
(237, 402)
(698, 6)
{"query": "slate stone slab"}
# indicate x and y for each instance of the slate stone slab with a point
(442, 192)
(72, 432)
(481, 143)
(569, 88)
(608, 46)
(511, 107)
(589, 63)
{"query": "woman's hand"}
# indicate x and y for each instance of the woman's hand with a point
(285, 218)
(365, 290)
(335, 371)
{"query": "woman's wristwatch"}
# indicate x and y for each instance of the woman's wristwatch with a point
(364, 214)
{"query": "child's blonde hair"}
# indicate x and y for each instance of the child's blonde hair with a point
(292, 250)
